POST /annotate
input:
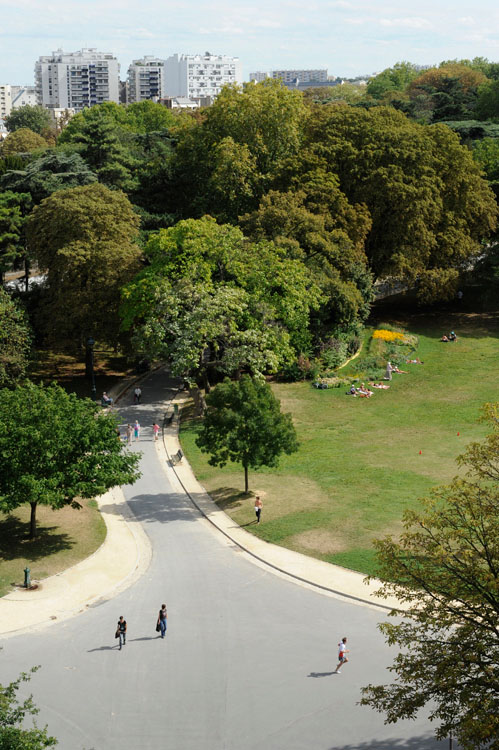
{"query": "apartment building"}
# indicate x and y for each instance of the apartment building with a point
(76, 80)
(5, 100)
(301, 76)
(194, 76)
(146, 79)
(259, 76)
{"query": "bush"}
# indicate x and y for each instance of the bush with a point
(333, 353)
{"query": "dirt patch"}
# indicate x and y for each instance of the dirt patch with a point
(323, 541)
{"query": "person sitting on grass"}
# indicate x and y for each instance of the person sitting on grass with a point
(444, 339)
(352, 391)
(379, 385)
(397, 369)
(452, 336)
(416, 361)
(363, 391)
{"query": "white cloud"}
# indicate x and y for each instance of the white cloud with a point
(409, 22)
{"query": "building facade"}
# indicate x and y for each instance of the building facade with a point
(194, 76)
(301, 76)
(5, 100)
(259, 76)
(76, 80)
(146, 79)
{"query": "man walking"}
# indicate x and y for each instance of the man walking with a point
(258, 508)
(137, 395)
(163, 620)
(121, 631)
(129, 434)
(342, 651)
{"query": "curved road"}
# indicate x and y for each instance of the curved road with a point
(248, 657)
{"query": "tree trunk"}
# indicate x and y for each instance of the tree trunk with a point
(246, 479)
(26, 272)
(32, 522)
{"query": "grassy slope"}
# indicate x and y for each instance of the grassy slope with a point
(359, 466)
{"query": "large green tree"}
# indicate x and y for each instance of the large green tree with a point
(53, 171)
(85, 238)
(429, 205)
(391, 80)
(22, 141)
(448, 92)
(244, 424)
(444, 569)
(14, 734)
(15, 341)
(34, 117)
(59, 449)
(11, 229)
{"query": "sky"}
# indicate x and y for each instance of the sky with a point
(348, 37)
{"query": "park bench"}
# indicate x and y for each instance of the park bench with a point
(178, 456)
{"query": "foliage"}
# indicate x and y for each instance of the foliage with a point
(13, 207)
(244, 424)
(444, 93)
(32, 117)
(13, 732)
(85, 238)
(429, 206)
(53, 171)
(211, 299)
(59, 449)
(15, 341)
(344, 92)
(22, 141)
(392, 79)
(444, 571)
(487, 106)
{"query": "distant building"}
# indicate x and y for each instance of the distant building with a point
(195, 76)
(259, 76)
(3, 130)
(301, 76)
(76, 80)
(123, 92)
(146, 79)
(5, 100)
(22, 95)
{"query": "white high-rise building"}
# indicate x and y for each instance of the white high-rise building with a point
(196, 76)
(5, 100)
(22, 95)
(76, 80)
(259, 76)
(146, 79)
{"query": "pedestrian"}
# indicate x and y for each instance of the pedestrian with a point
(129, 434)
(162, 620)
(258, 508)
(389, 370)
(137, 394)
(342, 650)
(136, 430)
(155, 429)
(121, 631)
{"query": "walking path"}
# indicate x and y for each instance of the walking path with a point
(126, 553)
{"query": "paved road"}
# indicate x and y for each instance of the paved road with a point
(248, 658)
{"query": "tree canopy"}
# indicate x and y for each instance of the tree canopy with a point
(14, 734)
(22, 141)
(33, 117)
(59, 450)
(15, 341)
(85, 238)
(444, 570)
(244, 424)
(53, 171)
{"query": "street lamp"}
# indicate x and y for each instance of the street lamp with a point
(90, 361)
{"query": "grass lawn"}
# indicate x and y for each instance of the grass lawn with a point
(358, 466)
(65, 537)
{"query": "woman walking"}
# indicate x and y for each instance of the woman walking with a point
(136, 430)
(162, 620)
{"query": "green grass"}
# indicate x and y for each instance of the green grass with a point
(64, 538)
(358, 467)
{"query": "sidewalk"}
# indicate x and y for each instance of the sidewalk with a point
(333, 579)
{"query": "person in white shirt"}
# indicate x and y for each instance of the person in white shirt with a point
(137, 394)
(342, 651)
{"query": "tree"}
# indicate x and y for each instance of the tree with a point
(390, 80)
(13, 732)
(15, 341)
(11, 230)
(487, 106)
(429, 205)
(85, 238)
(244, 424)
(53, 171)
(34, 117)
(448, 92)
(22, 141)
(444, 569)
(59, 450)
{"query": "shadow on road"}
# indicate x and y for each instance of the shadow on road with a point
(102, 648)
(320, 674)
(414, 743)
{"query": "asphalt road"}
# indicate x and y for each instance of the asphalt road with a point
(248, 658)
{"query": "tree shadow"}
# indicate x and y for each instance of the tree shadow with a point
(14, 541)
(229, 497)
(413, 743)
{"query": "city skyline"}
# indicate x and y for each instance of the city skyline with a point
(348, 38)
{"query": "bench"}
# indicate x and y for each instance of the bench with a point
(177, 457)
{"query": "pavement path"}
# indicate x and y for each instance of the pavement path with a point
(248, 658)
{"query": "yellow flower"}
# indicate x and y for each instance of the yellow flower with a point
(385, 335)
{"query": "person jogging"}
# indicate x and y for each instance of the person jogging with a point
(342, 658)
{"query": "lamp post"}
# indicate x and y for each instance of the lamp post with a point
(90, 361)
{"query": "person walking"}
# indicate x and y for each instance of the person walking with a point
(121, 631)
(342, 658)
(136, 430)
(162, 620)
(137, 395)
(129, 434)
(258, 508)
(389, 370)
(155, 429)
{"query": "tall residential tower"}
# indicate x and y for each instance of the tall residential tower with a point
(146, 79)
